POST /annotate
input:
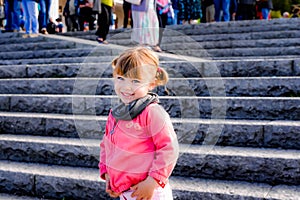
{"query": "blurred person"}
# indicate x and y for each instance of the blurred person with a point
(51, 26)
(222, 5)
(162, 9)
(189, 11)
(71, 12)
(245, 10)
(59, 26)
(2, 13)
(266, 6)
(30, 8)
(118, 11)
(44, 15)
(127, 14)
(233, 9)
(146, 25)
(176, 10)
(86, 14)
(285, 15)
(12, 15)
(209, 10)
(296, 12)
(104, 21)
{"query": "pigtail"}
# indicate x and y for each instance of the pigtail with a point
(162, 76)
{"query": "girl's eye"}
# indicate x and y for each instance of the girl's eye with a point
(120, 78)
(136, 81)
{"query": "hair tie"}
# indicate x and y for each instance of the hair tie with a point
(159, 69)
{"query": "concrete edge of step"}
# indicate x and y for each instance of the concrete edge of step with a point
(191, 187)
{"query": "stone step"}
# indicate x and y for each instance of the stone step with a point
(270, 166)
(237, 52)
(172, 40)
(184, 45)
(211, 50)
(58, 53)
(186, 67)
(234, 38)
(36, 46)
(235, 86)
(265, 43)
(238, 27)
(83, 183)
(17, 39)
(4, 196)
(222, 29)
(252, 108)
(244, 133)
(20, 62)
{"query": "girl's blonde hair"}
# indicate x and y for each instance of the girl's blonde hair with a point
(128, 64)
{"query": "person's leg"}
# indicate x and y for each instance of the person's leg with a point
(225, 8)
(48, 9)
(126, 10)
(175, 21)
(16, 15)
(103, 23)
(33, 15)
(42, 14)
(265, 13)
(217, 10)
(26, 14)
(8, 14)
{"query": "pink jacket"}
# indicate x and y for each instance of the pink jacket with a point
(146, 145)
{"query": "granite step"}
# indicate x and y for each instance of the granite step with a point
(184, 67)
(272, 166)
(252, 108)
(265, 43)
(4, 196)
(58, 53)
(234, 36)
(239, 28)
(214, 40)
(17, 39)
(36, 46)
(58, 61)
(235, 86)
(238, 52)
(83, 183)
(243, 133)
(184, 45)
(242, 26)
(232, 28)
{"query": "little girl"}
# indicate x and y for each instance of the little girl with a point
(139, 149)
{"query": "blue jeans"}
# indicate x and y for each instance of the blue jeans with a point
(224, 6)
(265, 13)
(44, 14)
(12, 13)
(175, 21)
(31, 16)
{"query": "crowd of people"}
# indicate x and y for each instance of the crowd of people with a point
(30, 16)
(33, 16)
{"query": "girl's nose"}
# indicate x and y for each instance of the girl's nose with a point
(127, 86)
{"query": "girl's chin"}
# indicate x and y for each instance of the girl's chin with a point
(127, 101)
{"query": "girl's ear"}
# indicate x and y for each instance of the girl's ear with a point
(152, 86)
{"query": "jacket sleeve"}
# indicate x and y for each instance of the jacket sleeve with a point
(165, 141)
(102, 163)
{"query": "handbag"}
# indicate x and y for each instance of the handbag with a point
(135, 2)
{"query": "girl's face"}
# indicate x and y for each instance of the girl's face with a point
(130, 89)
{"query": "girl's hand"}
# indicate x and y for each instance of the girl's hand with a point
(108, 189)
(144, 190)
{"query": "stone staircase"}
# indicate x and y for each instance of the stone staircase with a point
(234, 99)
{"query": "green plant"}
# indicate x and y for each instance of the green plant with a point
(284, 5)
